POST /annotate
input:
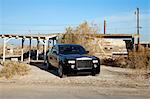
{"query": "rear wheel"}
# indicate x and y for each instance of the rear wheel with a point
(60, 71)
(49, 66)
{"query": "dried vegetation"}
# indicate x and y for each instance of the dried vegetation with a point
(79, 35)
(136, 59)
(12, 68)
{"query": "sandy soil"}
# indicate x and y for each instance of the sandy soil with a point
(110, 78)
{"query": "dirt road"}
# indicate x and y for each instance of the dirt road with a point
(112, 83)
(57, 92)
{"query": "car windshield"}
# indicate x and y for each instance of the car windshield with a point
(71, 49)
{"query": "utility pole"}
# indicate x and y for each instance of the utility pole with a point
(104, 26)
(138, 27)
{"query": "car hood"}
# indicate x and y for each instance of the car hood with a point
(74, 56)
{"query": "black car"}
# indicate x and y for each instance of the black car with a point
(72, 58)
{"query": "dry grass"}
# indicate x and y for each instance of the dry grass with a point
(12, 68)
(136, 60)
(139, 60)
(117, 62)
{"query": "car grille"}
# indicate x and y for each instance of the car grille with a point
(84, 63)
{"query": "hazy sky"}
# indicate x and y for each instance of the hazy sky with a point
(52, 16)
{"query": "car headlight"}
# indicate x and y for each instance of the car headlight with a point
(95, 65)
(72, 66)
(95, 61)
(71, 62)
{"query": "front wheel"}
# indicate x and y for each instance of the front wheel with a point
(93, 73)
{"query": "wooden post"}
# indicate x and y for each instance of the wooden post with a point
(147, 45)
(4, 46)
(22, 49)
(30, 50)
(37, 53)
(133, 43)
(45, 48)
(48, 42)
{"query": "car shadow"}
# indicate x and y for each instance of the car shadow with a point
(43, 66)
(54, 70)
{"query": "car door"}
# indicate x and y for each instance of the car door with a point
(53, 57)
(50, 57)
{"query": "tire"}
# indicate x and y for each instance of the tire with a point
(49, 66)
(93, 73)
(60, 71)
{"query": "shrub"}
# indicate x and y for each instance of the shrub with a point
(117, 62)
(80, 35)
(135, 60)
(12, 68)
(139, 60)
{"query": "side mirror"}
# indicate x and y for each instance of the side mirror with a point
(87, 52)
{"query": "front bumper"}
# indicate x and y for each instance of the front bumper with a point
(68, 70)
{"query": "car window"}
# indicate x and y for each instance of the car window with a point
(71, 49)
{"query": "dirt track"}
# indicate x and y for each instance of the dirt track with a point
(66, 92)
(112, 80)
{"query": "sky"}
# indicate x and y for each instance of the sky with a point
(53, 16)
